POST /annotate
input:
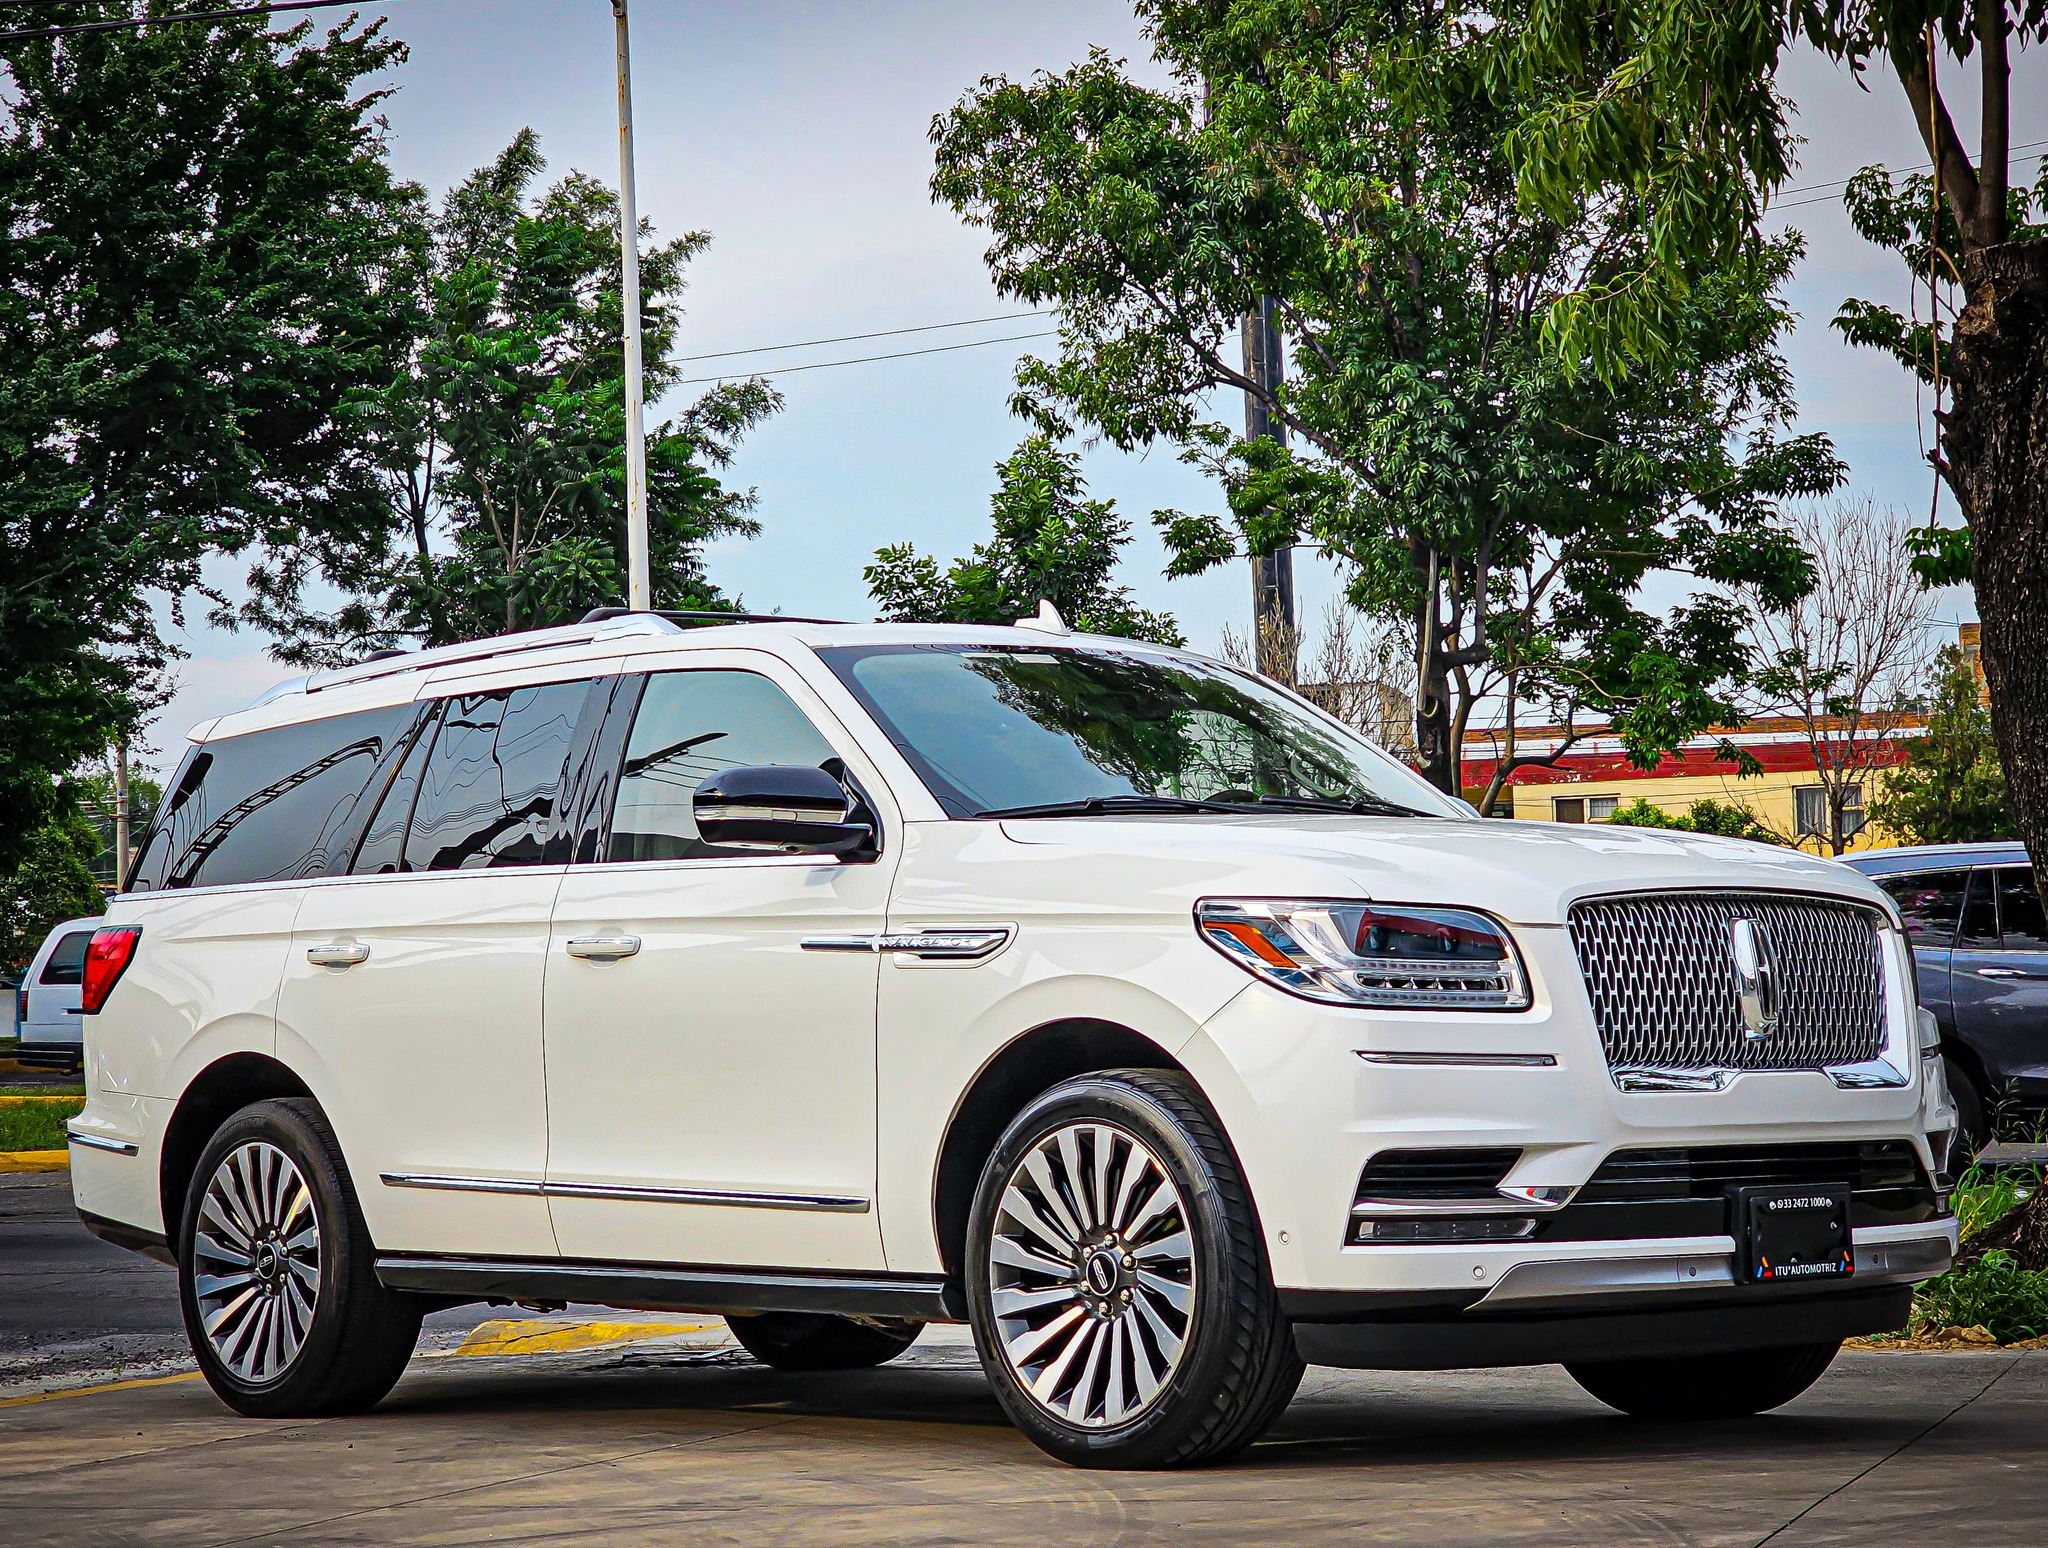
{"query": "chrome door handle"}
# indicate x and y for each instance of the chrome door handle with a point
(339, 954)
(1999, 972)
(603, 948)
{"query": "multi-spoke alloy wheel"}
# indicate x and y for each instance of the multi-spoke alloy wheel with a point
(277, 1276)
(1117, 1280)
(257, 1258)
(1092, 1274)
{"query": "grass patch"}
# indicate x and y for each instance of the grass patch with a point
(73, 1090)
(36, 1125)
(1996, 1292)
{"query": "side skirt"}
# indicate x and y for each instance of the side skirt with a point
(667, 1287)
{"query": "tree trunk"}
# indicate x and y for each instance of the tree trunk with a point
(1995, 443)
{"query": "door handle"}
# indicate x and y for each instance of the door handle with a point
(1999, 972)
(603, 948)
(338, 954)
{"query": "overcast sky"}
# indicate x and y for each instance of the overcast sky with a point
(795, 133)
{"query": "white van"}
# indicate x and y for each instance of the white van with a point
(842, 979)
(46, 1004)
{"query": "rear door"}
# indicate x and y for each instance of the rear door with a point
(2001, 980)
(412, 991)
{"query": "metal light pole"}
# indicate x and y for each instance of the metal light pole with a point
(639, 594)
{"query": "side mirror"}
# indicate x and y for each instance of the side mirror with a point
(780, 809)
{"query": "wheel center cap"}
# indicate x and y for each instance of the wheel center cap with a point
(266, 1261)
(1102, 1271)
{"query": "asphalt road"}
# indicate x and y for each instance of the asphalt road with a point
(684, 1439)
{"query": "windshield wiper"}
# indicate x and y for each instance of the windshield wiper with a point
(1113, 806)
(1369, 806)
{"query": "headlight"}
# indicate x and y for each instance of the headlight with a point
(1392, 955)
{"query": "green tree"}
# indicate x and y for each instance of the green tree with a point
(1730, 819)
(194, 290)
(53, 880)
(1051, 543)
(1667, 113)
(503, 435)
(1950, 790)
(1349, 161)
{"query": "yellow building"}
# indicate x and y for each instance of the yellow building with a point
(1584, 777)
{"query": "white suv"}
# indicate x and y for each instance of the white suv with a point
(842, 979)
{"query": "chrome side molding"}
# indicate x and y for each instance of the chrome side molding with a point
(737, 1198)
(112, 1147)
(926, 945)
(1500, 1061)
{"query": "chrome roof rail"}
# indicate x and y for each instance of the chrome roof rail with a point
(617, 624)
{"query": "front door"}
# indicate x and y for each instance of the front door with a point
(710, 1075)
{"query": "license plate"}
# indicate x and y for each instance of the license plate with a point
(1794, 1233)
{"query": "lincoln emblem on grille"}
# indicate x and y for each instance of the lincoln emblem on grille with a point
(1756, 984)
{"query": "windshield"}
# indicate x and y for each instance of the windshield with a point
(1001, 730)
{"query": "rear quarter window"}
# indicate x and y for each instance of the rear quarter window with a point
(269, 806)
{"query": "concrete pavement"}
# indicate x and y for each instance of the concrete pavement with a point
(682, 1438)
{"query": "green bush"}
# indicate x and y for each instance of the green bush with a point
(1993, 1293)
(35, 1125)
(1728, 818)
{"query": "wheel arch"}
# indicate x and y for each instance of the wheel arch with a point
(1033, 1062)
(214, 1095)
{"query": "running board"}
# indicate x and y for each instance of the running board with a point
(669, 1287)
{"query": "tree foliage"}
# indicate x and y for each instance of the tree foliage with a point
(1950, 789)
(195, 287)
(501, 439)
(1351, 160)
(53, 879)
(1730, 819)
(1051, 543)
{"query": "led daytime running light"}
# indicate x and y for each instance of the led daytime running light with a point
(1391, 956)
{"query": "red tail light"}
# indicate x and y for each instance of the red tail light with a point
(106, 959)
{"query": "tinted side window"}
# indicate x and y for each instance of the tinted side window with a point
(67, 961)
(1979, 931)
(691, 725)
(487, 792)
(1930, 902)
(269, 806)
(383, 845)
(2019, 910)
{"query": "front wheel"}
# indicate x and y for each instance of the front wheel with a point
(1117, 1279)
(1723, 1386)
(275, 1272)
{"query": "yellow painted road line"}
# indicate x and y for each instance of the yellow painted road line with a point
(109, 1386)
(31, 1100)
(507, 1336)
(35, 1160)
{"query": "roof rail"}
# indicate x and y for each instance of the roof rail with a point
(617, 622)
(697, 620)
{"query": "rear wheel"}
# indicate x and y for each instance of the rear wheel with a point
(1722, 1386)
(1117, 1279)
(819, 1341)
(275, 1273)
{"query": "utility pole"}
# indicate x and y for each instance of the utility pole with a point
(1274, 629)
(639, 594)
(120, 812)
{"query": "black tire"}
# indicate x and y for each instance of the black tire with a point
(359, 1336)
(1236, 1365)
(820, 1341)
(1721, 1386)
(1973, 1129)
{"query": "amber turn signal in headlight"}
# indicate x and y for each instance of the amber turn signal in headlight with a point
(1391, 955)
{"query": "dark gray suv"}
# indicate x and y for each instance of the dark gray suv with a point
(1981, 948)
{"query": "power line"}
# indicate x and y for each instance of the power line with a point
(901, 354)
(1843, 182)
(849, 338)
(134, 23)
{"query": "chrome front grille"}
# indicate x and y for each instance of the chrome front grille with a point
(1660, 969)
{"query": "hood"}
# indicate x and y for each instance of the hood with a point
(1525, 872)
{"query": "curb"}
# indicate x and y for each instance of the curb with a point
(529, 1337)
(35, 1161)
